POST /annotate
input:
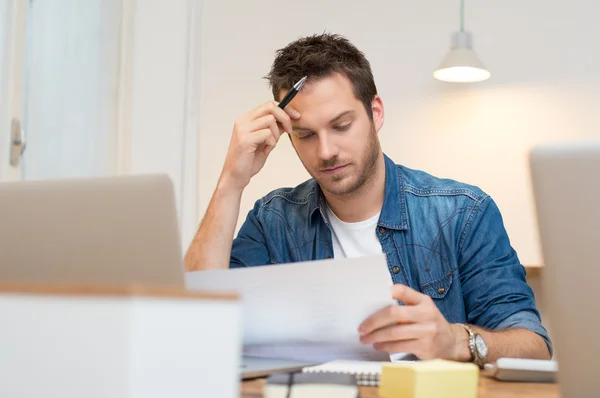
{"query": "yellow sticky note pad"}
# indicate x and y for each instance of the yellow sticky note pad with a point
(429, 379)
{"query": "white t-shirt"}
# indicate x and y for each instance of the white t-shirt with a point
(357, 239)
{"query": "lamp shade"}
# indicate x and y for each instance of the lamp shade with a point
(461, 64)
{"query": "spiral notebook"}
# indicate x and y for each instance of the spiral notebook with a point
(367, 373)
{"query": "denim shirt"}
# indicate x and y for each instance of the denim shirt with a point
(443, 238)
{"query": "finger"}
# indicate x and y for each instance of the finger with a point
(406, 295)
(271, 108)
(267, 121)
(292, 113)
(408, 346)
(260, 110)
(268, 149)
(275, 130)
(264, 136)
(395, 333)
(390, 315)
(284, 117)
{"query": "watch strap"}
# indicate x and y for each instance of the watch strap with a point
(475, 357)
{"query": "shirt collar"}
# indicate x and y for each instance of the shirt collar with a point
(393, 213)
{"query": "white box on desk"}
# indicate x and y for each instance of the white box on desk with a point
(119, 343)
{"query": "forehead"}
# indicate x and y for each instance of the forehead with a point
(325, 96)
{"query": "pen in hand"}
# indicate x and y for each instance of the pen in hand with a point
(292, 93)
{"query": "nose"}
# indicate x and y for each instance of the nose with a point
(327, 148)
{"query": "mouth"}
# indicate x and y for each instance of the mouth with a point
(334, 170)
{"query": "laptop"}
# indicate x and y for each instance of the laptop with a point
(106, 231)
(566, 186)
(109, 231)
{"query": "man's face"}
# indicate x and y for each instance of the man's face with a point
(334, 138)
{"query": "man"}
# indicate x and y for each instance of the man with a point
(464, 291)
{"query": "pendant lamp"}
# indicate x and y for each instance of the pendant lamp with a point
(461, 65)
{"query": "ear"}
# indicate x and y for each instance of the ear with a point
(378, 113)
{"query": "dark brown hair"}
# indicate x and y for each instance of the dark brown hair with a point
(321, 56)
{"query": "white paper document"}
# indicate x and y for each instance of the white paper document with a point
(307, 310)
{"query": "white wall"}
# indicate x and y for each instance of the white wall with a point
(544, 57)
(159, 119)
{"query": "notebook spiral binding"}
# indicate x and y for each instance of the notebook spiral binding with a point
(366, 379)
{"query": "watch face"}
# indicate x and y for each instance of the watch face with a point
(481, 346)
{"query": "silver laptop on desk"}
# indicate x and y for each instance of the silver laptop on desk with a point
(107, 230)
(566, 184)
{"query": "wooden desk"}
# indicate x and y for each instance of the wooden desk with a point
(488, 388)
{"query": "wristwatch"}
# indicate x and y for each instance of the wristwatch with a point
(477, 346)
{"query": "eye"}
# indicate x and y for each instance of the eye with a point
(305, 136)
(343, 127)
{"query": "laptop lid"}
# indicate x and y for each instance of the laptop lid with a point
(566, 184)
(107, 230)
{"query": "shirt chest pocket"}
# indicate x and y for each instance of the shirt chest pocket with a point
(433, 273)
(445, 293)
(438, 288)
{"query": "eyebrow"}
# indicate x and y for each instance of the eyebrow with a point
(335, 119)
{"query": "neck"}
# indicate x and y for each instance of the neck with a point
(365, 202)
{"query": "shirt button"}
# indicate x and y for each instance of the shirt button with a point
(381, 230)
(441, 290)
(395, 270)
